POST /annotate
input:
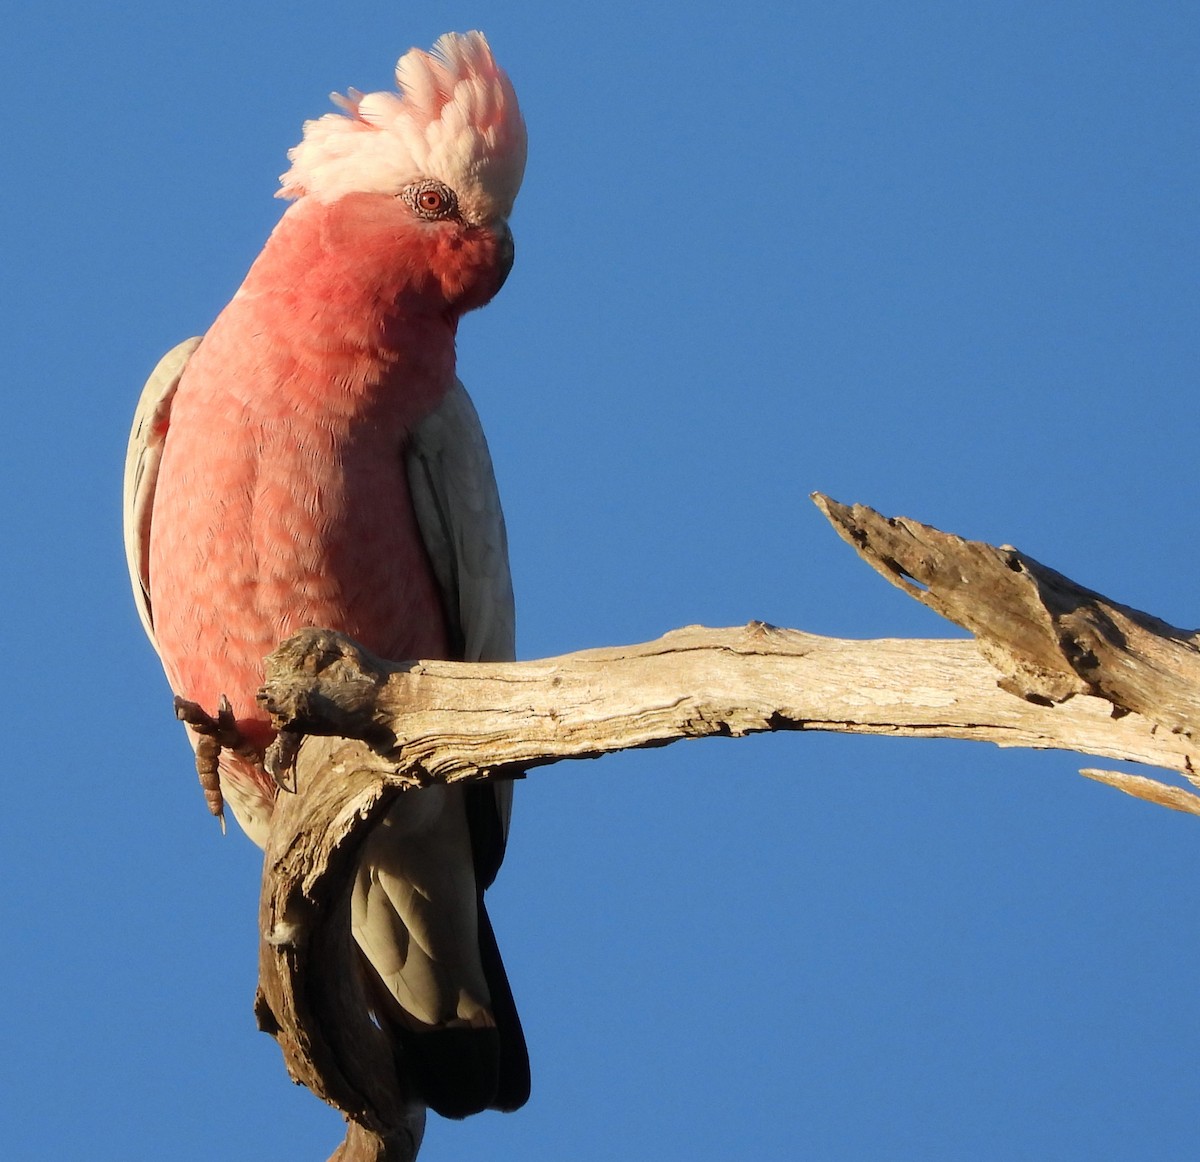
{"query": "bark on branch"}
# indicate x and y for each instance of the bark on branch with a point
(1051, 637)
(1052, 665)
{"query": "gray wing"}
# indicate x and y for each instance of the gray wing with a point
(417, 908)
(458, 511)
(142, 458)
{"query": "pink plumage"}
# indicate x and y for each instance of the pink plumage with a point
(312, 461)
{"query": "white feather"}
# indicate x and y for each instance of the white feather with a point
(142, 457)
(455, 118)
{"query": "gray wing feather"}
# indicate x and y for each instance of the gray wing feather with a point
(416, 908)
(141, 470)
(458, 511)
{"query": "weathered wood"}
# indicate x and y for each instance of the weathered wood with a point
(1053, 665)
(310, 992)
(691, 683)
(365, 1145)
(1052, 637)
(1151, 790)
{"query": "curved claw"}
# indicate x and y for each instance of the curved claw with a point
(280, 759)
(214, 735)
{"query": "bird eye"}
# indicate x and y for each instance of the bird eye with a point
(431, 200)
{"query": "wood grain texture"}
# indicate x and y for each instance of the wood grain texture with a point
(1052, 637)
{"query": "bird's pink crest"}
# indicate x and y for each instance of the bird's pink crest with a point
(455, 118)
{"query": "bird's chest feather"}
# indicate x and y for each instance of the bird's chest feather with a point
(270, 520)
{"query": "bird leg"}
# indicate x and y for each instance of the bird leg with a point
(214, 735)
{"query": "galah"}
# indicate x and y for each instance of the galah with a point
(312, 460)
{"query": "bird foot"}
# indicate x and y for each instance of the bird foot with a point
(280, 759)
(215, 735)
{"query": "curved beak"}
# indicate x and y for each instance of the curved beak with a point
(505, 251)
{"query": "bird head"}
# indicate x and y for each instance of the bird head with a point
(447, 150)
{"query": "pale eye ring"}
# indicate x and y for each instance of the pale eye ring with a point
(431, 200)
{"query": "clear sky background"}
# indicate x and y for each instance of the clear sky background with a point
(936, 257)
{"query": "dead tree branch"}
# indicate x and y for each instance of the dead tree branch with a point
(1052, 665)
(1050, 637)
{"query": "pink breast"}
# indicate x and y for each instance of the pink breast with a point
(262, 528)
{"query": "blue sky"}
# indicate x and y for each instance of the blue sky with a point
(935, 257)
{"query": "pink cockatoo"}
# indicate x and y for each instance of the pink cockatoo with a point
(313, 461)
